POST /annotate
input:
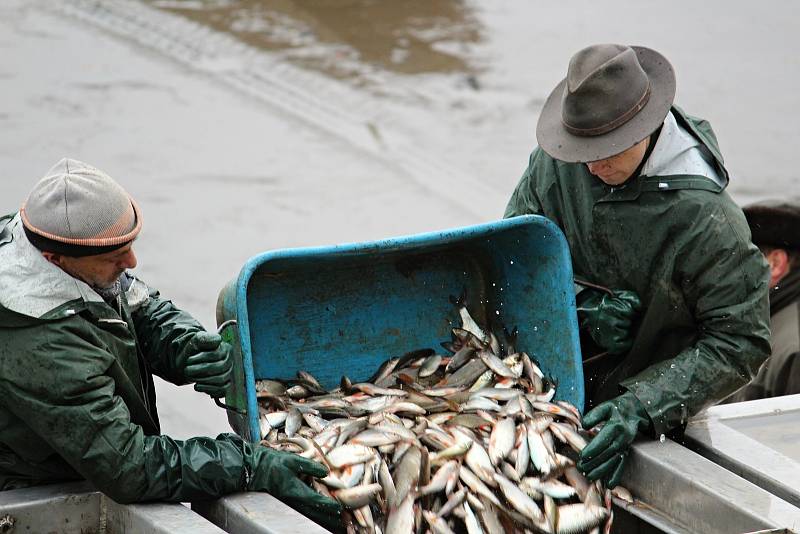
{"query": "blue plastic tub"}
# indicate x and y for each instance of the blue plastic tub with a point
(344, 309)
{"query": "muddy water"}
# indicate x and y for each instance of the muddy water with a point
(347, 39)
(247, 126)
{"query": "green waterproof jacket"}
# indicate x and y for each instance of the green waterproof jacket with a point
(673, 236)
(78, 400)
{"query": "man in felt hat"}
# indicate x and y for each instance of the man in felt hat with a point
(80, 339)
(637, 186)
(775, 225)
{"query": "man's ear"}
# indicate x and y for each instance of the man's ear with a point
(778, 260)
(53, 258)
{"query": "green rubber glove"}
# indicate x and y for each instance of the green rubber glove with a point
(609, 319)
(278, 472)
(604, 456)
(209, 364)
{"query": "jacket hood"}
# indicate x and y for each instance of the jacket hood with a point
(31, 286)
(677, 152)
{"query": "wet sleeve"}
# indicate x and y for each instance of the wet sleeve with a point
(163, 331)
(724, 279)
(523, 200)
(65, 396)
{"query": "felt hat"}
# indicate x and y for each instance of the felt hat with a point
(613, 97)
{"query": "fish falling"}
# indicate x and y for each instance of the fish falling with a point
(469, 441)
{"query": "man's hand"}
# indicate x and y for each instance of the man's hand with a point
(604, 456)
(609, 319)
(278, 472)
(209, 364)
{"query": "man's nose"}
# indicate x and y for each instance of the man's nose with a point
(596, 166)
(128, 261)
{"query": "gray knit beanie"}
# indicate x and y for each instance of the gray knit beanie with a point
(78, 210)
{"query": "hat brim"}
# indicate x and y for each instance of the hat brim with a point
(554, 139)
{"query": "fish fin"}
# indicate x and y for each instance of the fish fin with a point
(346, 384)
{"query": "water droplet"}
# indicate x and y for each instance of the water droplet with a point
(672, 366)
(662, 438)
(512, 262)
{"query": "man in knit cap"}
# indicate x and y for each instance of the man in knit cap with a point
(80, 340)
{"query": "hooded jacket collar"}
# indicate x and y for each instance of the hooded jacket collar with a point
(677, 152)
(33, 287)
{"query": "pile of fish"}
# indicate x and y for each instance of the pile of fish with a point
(470, 441)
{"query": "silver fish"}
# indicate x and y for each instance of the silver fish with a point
(293, 421)
(270, 386)
(494, 343)
(509, 472)
(308, 377)
(622, 493)
(401, 517)
(346, 477)
(384, 370)
(577, 481)
(518, 499)
(569, 435)
(374, 438)
(437, 524)
(490, 519)
(477, 458)
(447, 473)
(495, 364)
(575, 518)
(474, 483)
(372, 389)
(497, 394)
(462, 356)
(483, 381)
(551, 513)
(501, 440)
(523, 456)
(553, 488)
(430, 365)
(316, 422)
(455, 451)
(357, 496)
(557, 410)
(455, 500)
(406, 474)
(467, 322)
(386, 482)
(540, 455)
(470, 521)
(480, 403)
(349, 454)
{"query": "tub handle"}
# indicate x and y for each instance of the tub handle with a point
(223, 326)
